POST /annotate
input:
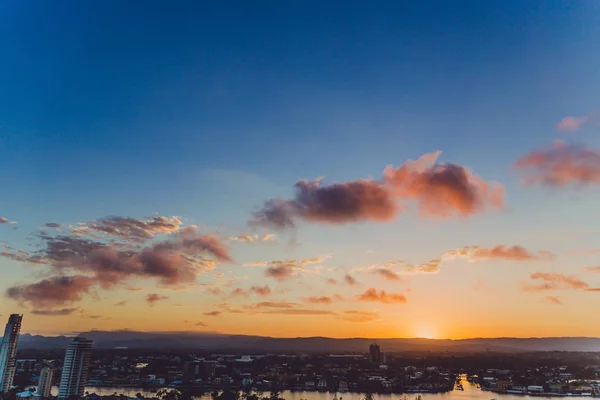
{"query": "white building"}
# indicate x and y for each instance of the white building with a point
(8, 351)
(322, 385)
(45, 383)
(75, 368)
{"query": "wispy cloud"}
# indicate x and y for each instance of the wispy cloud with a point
(318, 300)
(554, 300)
(499, 252)
(387, 274)
(381, 296)
(213, 313)
(57, 312)
(152, 298)
(560, 164)
(554, 281)
(295, 311)
(359, 316)
(572, 124)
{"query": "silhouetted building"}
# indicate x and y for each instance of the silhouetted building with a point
(45, 383)
(195, 369)
(8, 351)
(75, 368)
(375, 353)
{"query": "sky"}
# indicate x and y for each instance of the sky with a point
(301, 168)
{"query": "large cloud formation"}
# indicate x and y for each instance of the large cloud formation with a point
(439, 190)
(81, 260)
(560, 164)
(52, 292)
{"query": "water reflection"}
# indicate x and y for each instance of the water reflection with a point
(469, 392)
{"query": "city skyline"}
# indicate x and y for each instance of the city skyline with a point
(390, 170)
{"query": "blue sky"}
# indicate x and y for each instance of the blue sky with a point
(204, 110)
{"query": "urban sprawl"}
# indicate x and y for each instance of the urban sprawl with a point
(178, 375)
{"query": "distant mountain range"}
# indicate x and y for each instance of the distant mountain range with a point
(261, 344)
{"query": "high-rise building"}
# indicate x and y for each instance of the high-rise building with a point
(45, 384)
(375, 353)
(8, 351)
(75, 369)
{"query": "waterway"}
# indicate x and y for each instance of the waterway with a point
(470, 392)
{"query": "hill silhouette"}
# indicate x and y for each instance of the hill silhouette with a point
(260, 344)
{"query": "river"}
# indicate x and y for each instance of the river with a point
(470, 392)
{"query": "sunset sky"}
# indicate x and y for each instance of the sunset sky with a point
(301, 168)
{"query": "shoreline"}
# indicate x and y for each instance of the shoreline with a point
(153, 390)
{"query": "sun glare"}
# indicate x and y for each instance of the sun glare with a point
(425, 333)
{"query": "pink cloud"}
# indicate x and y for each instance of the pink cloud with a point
(52, 292)
(554, 281)
(152, 298)
(439, 190)
(443, 190)
(554, 300)
(571, 124)
(560, 165)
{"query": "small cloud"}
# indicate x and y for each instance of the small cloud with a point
(274, 304)
(280, 273)
(350, 280)
(299, 312)
(331, 281)
(499, 252)
(571, 124)
(319, 300)
(381, 297)
(120, 303)
(214, 290)
(213, 313)
(244, 238)
(554, 300)
(387, 274)
(554, 281)
(262, 291)
(52, 225)
(200, 324)
(559, 165)
(152, 298)
(593, 269)
(268, 237)
(58, 312)
(239, 292)
(359, 316)
(3, 220)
